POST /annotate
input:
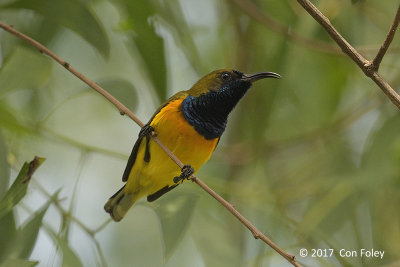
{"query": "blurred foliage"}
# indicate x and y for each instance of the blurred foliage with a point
(4, 170)
(312, 159)
(70, 259)
(60, 12)
(174, 212)
(17, 243)
(140, 27)
(18, 189)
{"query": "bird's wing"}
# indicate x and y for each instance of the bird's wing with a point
(135, 149)
(159, 193)
(132, 159)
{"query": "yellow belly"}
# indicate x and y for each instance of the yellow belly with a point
(181, 138)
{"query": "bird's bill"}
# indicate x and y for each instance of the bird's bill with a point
(260, 75)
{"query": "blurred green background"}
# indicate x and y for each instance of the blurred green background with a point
(311, 159)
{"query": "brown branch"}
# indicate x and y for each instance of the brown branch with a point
(389, 38)
(124, 110)
(42, 49)
(365, 65)
(252, 10)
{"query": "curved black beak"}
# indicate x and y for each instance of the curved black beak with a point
(260, 75)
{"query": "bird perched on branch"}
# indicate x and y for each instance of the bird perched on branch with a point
(190, 124)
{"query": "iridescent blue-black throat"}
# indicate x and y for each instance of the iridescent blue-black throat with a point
(208, 113)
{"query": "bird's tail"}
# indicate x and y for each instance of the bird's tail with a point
(119, 204)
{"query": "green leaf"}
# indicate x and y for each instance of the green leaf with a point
(19, 263)
(72, 14)
(207, 226)
(27, 235)
(9, 122)
(8, 231)
(19, 187)
(384, 141)
(4, 168)
(122, 90)
(24, 69)
(324, 207)
(20, 242)
(149, 44)
(70, 259)
(173, 14)
(174, 213)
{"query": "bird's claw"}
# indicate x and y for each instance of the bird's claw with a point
(186, 172)
(146, 130)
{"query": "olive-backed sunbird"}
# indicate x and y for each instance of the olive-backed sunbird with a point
(190, 124)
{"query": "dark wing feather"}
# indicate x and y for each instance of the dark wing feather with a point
(131, 160)
(160, 192)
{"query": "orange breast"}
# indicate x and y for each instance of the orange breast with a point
(181, 138)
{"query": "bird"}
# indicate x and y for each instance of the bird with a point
(190, 125)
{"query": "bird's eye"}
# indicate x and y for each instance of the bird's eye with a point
(226, 76)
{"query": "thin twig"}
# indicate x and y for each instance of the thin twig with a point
(56, 137)
(66, 226)
(256, 233)
(382, 51)
(124, 110)
(68, 216)
(102, 226)
(42, 49)
(336, 36)
(252, 10)
(365, 65)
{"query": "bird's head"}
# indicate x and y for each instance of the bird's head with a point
(213, 97)
(227, 79)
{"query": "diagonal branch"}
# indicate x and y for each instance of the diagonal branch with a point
(336, 36)
(124, 110)
(254, 11)
(365, 65)
(389, 38)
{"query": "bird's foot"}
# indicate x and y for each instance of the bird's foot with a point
(146, 130)
(187, 171)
